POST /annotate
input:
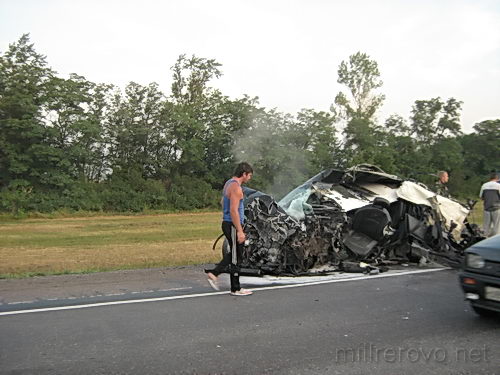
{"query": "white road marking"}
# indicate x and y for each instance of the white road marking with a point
(75, 307)
(97, 296)
(170, 289)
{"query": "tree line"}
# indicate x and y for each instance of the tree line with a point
(69, 143)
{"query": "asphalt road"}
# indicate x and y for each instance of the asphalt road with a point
(406, 324)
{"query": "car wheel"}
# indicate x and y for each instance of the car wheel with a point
(483, 312)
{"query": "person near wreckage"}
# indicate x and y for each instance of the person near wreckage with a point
(233, 217)
(441, 186)
(490, 194)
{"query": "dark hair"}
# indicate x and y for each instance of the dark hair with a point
(493, 176)
(242, 168)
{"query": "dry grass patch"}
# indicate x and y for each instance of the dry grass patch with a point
(476, 215)
(45, 246)
(61, 260)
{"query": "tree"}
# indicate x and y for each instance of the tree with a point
(25, 156)
(434, 119)
(361, 76)
(75, 117)
(195, 112)
(397, 126)
(136, 129)
(72, 143)
(481, 151)
(95, 161)
(190, 78)
(224, 119)
(314, 134)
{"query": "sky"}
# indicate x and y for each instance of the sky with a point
(285, 52)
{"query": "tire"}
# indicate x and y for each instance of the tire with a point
(485, 313)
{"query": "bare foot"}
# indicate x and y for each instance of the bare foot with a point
(212, 277)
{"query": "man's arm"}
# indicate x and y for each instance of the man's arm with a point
(235, 194)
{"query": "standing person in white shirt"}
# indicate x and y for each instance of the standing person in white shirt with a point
(490, 194)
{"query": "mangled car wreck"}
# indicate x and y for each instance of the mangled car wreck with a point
(358, 220)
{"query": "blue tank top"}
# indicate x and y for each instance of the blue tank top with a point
(226, 214)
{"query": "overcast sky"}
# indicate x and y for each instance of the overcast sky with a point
(285, 52)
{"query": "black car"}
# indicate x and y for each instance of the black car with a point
(480, 276)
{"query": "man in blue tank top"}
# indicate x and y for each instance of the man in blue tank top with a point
(232, 226)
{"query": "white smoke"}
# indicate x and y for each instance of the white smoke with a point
(266, 145)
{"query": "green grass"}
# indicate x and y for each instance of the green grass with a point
(43, 246)
(476, 215)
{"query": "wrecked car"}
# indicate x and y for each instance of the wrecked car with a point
(358, 220)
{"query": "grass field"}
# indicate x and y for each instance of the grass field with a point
(476, 215)
(88, 244)
(44, 246)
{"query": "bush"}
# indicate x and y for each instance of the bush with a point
(187, 193)
(15, 198)
(132, 193)
(123, 192)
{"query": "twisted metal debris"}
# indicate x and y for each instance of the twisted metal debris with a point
(339, 220)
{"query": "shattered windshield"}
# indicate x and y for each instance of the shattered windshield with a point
(294, 203)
